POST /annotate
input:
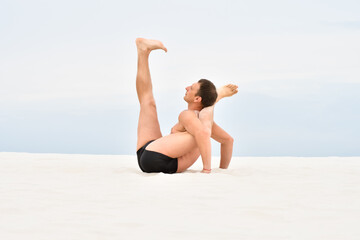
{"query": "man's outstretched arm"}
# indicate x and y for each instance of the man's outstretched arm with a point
(227, 142)
(201, 133)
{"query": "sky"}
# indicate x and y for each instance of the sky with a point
(68, 68)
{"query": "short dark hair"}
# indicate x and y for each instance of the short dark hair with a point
(207, 92)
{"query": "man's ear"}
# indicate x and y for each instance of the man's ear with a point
(197, 99)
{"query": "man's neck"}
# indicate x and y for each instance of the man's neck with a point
(194, 107)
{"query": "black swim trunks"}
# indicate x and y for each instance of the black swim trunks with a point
(150, 161)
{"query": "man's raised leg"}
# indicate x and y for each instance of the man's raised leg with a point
(148, 126)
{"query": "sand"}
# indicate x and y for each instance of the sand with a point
(60, 196)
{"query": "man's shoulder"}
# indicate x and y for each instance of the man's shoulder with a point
(188, 114)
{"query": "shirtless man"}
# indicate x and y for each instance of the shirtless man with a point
(190, 137)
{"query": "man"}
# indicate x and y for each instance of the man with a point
(190, 137)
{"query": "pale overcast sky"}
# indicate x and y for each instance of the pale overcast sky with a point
(67, 73)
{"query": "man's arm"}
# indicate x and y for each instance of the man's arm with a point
(218, 134)
(177, 128)
(201, 133)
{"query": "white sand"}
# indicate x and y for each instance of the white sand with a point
(57, 196)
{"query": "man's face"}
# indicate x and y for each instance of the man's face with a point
(191, 91)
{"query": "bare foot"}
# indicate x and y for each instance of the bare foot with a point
(226, 91)
(147, 45)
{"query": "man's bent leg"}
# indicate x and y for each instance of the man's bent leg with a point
(206, 117)
(183, 145)
(187, 160)
(148, 125)
(180, 145)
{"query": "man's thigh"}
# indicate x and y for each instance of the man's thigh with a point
(180, 145)
(173, 145)
(148, 125)
(186, 161)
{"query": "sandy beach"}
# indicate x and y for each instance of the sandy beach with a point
(60, 196)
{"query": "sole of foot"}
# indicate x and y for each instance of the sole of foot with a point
(148, 45)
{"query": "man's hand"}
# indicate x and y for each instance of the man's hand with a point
(177, 128)
(206, 171)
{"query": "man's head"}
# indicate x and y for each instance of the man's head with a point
(202, 92)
